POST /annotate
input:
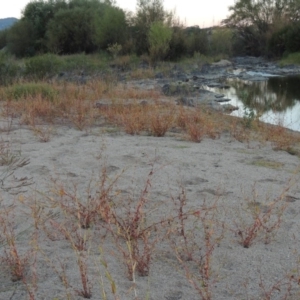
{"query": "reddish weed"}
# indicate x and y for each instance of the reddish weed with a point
(264, 220)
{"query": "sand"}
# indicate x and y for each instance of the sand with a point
(222, 173)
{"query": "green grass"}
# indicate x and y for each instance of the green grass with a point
(29, 90)
(290, 59)
(85, 63)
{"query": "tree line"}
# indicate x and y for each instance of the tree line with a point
(265, 27)
(254, 27)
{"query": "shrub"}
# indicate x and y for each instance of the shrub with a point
(293, 58)
(177, 44)
(221, 41)
(196, 40)
(42, 66)
(114, 49)
(84, 63)
(159, 40)
(20, 39)
(3, 38)
(30, 90)
(9, 69)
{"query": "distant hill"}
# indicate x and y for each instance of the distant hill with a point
(7, 22)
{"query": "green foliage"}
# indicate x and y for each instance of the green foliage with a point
(84, 63)
(159, 40)
(71, 31)
(254, 21)
(277, 42)
(30, 90)
(114, 49)
(20, 39)
(221, 41)
(293, 38)
(9, 69)
(43, 66)
(285, 40)
(196, 40)
(111, 28)
(248, 117)
(177, 44)
(293, 58)
(3, 38)
(38, 14)
(148, 12)
(68, 27)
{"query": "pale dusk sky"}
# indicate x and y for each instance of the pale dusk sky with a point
(191, 12)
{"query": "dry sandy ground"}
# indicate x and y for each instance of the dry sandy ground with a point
(235, 177)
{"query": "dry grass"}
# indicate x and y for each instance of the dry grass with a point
(260, 221)
(134, 110)
(194, 244)
(199, 123)
(103, 215)
(125, 221)
(142, 74)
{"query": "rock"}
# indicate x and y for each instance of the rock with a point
(185, 102)
(218, 85)
(101, 105)
(173, 295)
(221, 100)
(143, 103)
(248, 60)
(222, 63)
(166, 89)
(178, 89)
(224, 86)
(205, 68)
(195, 77)
(182, 77)
(159, 75)
(227, 108)
(218, 96)
(213, 85)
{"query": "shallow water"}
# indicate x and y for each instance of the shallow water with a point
(275, 100)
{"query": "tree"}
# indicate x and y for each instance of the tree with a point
(3, 38)
(148, 12)
(160, 36)
(255, 20)
(70, 31)
(111, 27)
(196, 40)
(20, 39)
(39, 14)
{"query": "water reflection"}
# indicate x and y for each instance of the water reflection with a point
(276, 100)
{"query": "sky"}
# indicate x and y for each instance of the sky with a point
(191, 12)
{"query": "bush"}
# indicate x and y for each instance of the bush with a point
(196, 40)
(71, 31)
(9, 69)
(221, 41)
(293, 38)
(85, 63)
(3, 38)
(285, 40)
(43, 66)
(30, 90)
(20, 39)
(177, 44)
(293, 58)
(111, 28)
(159, 40)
